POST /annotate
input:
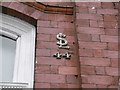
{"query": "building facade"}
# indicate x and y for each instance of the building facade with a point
(90, 29)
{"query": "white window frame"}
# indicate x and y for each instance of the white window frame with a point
(25, 48)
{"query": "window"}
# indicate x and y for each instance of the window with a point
(8, 47)
(17, 51)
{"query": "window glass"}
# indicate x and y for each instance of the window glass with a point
(7, 51)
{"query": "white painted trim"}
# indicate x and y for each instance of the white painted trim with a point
(25, 49)
(6, 33)
(13, 85)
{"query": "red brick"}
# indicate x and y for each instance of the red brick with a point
(50, 78)
(86, 52)
(42, 78)
(108, 11)
(6, 4)
(70, 38)
(87, 70)
(58, 85)
(82, 23)
(53, 38)
(98, 53)
(21, 7)
(93, 23)
(82, 9)
(57, 78)
(42, 85)
(46, 45)
(68, 70)
(102, 86)
(14, 5)
(111, 25)
(116, 80)
(71, 62)
(111, 71)
(54, 69)
(36, 14)
(65, 25)
(50, 17)
(101, 23)
(42, 52)
(95, 37)
(89, 16)
(110, 18)
(43, 69)
(84, 37)
(114, 63)
(43, 23)
(95, 61)
(43, 37)
(107, 38)
(28, 10)
(89, 86)
(89, 30)
(82, 4)
(49, 61)
(113, 46)
(92, 45)
(49, 30)
(100, 70)
(115, 87)
(97, 79)
(111, 31)
(58, 17)
(110, 54)
(72, 79)
(54, 24)
(64, 18)
(107, 5)
(68, 18)
(68, 31)
(73, 86)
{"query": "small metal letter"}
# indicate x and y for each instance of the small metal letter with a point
(62, 41)
(67, 55)
(58, 55)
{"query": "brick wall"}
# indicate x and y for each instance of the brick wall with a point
(92, 34)
(97, 31)
(52, 72)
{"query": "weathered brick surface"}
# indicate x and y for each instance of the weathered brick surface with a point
(42, 85)
(100, 70)
(72, 79)
(98, 48)
(112, 71)
(107, 11)
(89, 86)
(58, 85)
(58, 73)
(93, 45)
(107, 38)
(97, 79)
(87, 70)
(90, 30)
(107, 5)
(95, 61)
(86, 52)
(49, 61)
(68, 70)
(113, 46)
(50, 78)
